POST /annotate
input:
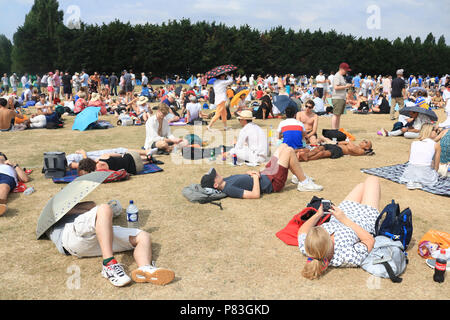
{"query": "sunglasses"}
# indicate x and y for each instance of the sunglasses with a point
(310, 107)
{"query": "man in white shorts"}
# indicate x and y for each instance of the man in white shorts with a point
(87, 231)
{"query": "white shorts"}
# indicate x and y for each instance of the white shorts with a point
(80, 240)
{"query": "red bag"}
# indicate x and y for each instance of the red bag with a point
(289, 234)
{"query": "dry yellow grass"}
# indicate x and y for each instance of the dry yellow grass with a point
(229, 254)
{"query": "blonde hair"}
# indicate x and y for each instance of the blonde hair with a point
(82, 95)
(318, 245)
(164, 108)
(426, 131)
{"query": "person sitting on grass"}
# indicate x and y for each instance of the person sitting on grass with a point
(157, 132)
(424, 160)
(291, 130)
(142, 110)
(87, 230)
(346, 240)
(10, 175)
(132, 162)
(310, 121)
(332, 150)
(412, 128)
(272, 179)
(194, 111)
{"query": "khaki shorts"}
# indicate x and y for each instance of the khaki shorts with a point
(137, 161)
(338, 106)
(80, 240)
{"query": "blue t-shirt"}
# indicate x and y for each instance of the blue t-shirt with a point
(236, 184)
(145, 91)
(357, 81)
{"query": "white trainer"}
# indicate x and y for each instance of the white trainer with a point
(152, 274)
(308, 185)
(116, 275)
(296, 181)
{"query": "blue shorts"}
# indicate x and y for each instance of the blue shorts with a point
(5, 179)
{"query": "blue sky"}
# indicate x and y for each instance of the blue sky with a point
(383, 18)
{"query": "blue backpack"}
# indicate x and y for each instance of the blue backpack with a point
(397, 225)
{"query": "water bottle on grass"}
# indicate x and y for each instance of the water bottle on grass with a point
(133, 215)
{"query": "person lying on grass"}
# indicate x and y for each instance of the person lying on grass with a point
(10, 175)
(132, 162)
(272, 179)
(87, 231)
(330, 149)
(346, 240)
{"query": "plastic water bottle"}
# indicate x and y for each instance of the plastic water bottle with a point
(213, 155)
(29, 191)
(440, 267)
(132, 215)
(224, 154)
(234, 159)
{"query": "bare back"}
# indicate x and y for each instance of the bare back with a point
(6, 116)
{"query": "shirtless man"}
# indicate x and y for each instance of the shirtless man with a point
(335, 151)
(310, 121)
(7, 116)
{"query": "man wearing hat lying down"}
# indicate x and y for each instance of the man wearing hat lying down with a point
(87, 231)
(272, 179)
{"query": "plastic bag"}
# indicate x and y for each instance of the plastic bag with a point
(433, 241)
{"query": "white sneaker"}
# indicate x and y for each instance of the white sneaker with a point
(308, 185)
(116, 275)
(296, 181)
(152, 274)
(413, 185)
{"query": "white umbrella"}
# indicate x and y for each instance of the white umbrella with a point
(67, 198)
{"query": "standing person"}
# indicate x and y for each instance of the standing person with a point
(357, 83)
(220, 94)
(24, 80)
(386, 83)
(144, 79)
(84, 79)
(128, 83)
(13, 81)
(320, 83)
(398, 93)
(76, 82)
(57, 84)
(340, 87)
(113, 81)
(67, 85)
(5, 83)
(38, 83)
(44, 82)
(50, 86)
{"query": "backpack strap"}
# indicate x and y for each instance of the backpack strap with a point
(391, 274)
(219, 204)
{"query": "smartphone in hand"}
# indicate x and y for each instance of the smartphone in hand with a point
(326, 205)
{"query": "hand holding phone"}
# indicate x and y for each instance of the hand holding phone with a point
(326, 204)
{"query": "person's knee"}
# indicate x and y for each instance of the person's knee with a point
(372, 180)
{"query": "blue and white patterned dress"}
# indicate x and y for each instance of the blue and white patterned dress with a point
(349, 251)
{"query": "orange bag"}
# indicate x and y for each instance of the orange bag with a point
(348, 134)
(431, 241)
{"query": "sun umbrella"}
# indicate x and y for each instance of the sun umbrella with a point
(85, 118)
(182, 81)
(220, 70)
(67, 198)
(282, 102)
(430, 113)
(414, 89)
(237, 96)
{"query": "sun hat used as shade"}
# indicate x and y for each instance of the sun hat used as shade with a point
(208, 179)
(142, 100)
(217, 71)
(245, 115)
(67, 198)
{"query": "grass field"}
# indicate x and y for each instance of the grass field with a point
(229, 254)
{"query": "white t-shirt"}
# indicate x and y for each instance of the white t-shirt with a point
(220, 90)
(194, 110)
(422, 152)
(320, 78)
(9, 171)
(318, 105)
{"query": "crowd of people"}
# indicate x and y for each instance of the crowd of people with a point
(56, 95)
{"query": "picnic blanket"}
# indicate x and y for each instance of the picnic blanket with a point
(115, 175)
(181, 122)
(393, 173)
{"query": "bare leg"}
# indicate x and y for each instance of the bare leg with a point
(143, 248)
(321, 154)
(356, 195)
(288, 159)
(104, 230)
(372, 192)
(335, 122)
(4, 191)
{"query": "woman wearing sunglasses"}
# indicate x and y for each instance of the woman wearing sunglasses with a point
(10, 175)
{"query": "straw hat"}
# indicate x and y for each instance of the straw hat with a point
(95, 97)
(245, 115)
(142, 100)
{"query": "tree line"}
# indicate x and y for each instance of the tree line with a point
(44, 43)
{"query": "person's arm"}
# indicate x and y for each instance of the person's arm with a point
(82, 152)
(311, 222)
(314, 129)
(364, 236)
(256, 191)
(437, 156)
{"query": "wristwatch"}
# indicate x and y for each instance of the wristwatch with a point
(16, 166)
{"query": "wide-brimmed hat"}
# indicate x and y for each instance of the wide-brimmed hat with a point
(245, 115)
(142, 100)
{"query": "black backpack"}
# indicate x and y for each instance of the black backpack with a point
(397, 224)
(55, 164)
